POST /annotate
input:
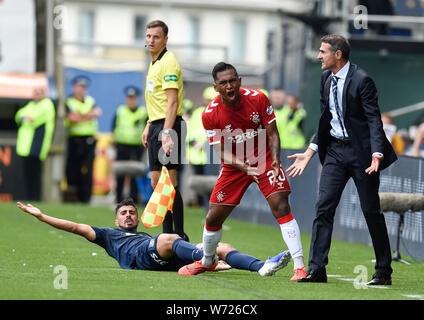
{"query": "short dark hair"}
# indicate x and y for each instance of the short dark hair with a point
(126, 202)
(338, 43)
(222, 66)
(158, 23)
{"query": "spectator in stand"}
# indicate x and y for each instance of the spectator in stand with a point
(277, 97)
(392, 135)
(418, 145)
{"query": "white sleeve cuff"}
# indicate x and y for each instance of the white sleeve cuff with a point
(313, 146)
(378, 153)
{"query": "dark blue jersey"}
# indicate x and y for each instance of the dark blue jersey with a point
(122, 245)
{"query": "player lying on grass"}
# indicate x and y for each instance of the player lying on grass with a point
(162, 252)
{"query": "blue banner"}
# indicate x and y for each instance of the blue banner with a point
(107, 88)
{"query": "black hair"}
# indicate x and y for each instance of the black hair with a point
(338, 43)
(222, 66)
(125, 202)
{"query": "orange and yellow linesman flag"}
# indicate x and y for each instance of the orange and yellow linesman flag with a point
(161, 201)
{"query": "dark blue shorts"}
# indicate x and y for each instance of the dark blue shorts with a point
(149, 259)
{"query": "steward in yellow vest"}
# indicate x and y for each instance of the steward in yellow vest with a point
(289, 124)
(81, 121)
(36, 122)
(128, 126)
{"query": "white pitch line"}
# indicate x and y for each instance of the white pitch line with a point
(378, 287)
(415, 296)
(346, 279)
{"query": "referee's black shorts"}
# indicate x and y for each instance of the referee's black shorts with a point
(157, 157)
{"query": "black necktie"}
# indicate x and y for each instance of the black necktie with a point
(334, 80)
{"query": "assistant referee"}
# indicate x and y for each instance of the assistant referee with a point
(163, 135)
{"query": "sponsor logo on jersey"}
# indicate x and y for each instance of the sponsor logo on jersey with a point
(242, 137)
(157, 259)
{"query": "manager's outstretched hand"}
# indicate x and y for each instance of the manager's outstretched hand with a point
(300, 163)
(29, 208)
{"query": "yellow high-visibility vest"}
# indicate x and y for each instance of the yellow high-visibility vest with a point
(129, 125)
(85, 128)
(291, 135)
(35, 137)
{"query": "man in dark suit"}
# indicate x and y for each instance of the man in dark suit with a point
(351, 143)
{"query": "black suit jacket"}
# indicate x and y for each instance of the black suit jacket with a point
(361, 116)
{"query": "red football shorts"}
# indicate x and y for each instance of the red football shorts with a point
(233, 183)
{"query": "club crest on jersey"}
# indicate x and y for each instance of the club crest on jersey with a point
(255, 117)
(220, 196)
(228, 128)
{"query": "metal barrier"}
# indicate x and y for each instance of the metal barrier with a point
(404, 176)
(129, 167)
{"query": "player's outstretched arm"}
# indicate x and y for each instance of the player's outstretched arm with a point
(70, 226)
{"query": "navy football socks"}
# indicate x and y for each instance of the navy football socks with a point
(186, 251)
(239, 260)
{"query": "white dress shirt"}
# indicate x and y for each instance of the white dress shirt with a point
(336, 130)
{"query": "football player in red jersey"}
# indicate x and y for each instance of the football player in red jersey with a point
(240, 124)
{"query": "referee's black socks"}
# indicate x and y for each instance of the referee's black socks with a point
(174, 222)
(178, 215)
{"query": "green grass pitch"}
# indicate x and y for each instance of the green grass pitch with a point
(31, 251)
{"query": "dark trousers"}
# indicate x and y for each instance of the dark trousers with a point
(127, 152)
(79, 165)
(341, 164)
(31, 168)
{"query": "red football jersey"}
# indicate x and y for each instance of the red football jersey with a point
(241, 129)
